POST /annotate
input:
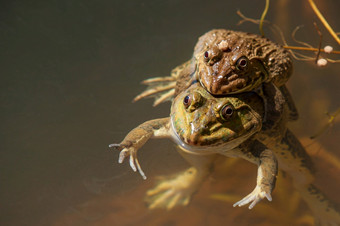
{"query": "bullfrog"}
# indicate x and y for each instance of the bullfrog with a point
(233, 62)
(228, 62)
(204, 126)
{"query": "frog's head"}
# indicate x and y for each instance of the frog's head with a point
(200, 119)
(226, 63)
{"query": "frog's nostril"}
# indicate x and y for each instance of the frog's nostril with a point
(205, 129)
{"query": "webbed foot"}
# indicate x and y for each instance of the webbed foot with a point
(173, 192)
(255, 197)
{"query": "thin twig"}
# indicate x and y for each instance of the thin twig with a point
(277, 30)
(320, 42)
(308, 49)
(324, 21)
(263, 16)
(297, 41)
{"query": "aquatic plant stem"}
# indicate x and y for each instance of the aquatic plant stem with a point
(308, 49)
(324, 21)
(263, 16)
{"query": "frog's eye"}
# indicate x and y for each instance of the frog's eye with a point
(227, 111)
(242, 63)
(187, 101)
(206, 55)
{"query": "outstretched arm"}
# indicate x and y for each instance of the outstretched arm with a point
(136, 138)
(267, 170)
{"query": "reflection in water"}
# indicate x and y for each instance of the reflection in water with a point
(69, 73)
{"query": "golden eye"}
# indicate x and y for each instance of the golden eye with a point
(187, 101)
(227, 111)
(242, 63)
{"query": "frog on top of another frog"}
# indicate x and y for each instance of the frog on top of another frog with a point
(205, 126)
(225, 63)
(228, 62)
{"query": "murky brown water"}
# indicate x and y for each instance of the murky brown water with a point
(69, 71)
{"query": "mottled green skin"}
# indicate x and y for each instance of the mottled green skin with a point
(201, 124)
(203, 128)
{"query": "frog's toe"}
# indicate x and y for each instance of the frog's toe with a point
(254, 197)
(158, 189)
(173, 192)
(114, 145)
(161, 201)
(127, 151)
(167, 199)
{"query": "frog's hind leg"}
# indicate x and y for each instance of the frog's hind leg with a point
(294, 160)
(178, 189)
(293, 113)
(292, 157)
(325, 212)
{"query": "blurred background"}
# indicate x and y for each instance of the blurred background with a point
(69, 70)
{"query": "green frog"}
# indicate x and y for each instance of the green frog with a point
(204, 127)
(237, 125)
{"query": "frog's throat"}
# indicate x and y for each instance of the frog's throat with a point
(221, 148)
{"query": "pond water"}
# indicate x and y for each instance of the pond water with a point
(69, 70)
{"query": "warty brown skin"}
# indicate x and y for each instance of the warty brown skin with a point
(233, 62)
(227, 62)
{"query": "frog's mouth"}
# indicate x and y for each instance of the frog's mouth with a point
(219, 82)
(227, 84)
(204, 144)
(236, 84)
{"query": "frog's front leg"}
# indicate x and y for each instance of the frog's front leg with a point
(136, 138)
(266, 174)
(178, 189)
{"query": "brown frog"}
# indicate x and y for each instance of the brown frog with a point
(228, 62)
(233, 62)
